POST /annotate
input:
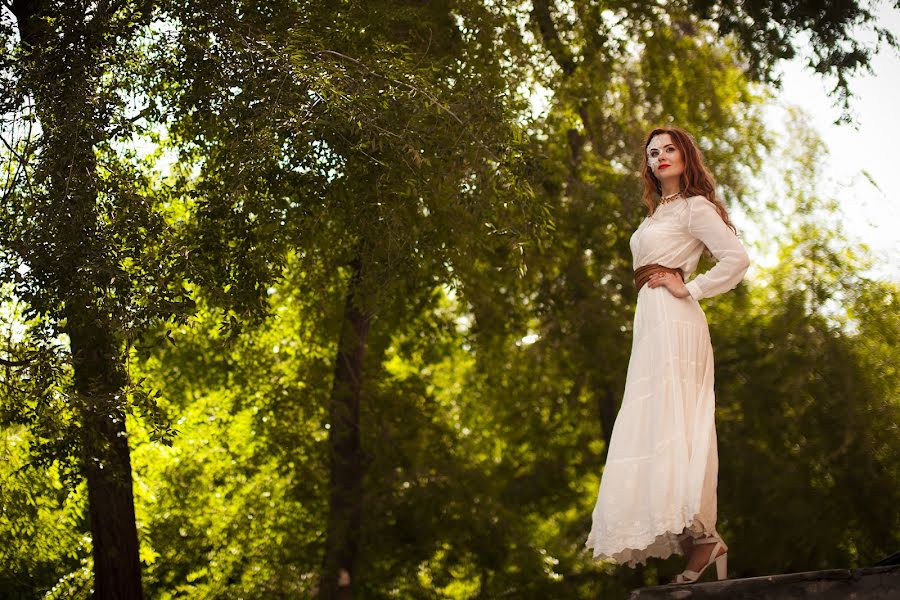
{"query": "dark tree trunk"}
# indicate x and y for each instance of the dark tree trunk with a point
(63, 95)
(99, 380)
(345, 499)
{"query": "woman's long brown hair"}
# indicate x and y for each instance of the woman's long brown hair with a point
(696, 179)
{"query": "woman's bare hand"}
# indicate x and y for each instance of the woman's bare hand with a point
(671, 281)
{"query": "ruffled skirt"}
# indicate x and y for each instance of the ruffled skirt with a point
(662, 465)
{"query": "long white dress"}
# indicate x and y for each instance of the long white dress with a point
(662, 465)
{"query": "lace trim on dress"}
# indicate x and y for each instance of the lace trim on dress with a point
(661, 545)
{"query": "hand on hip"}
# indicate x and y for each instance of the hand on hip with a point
(671, 281)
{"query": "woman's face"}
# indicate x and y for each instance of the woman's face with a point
(664, 158)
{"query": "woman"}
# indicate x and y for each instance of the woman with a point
(658, 491)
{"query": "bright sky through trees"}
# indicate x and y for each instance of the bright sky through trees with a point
(869, 204)
(861, 163)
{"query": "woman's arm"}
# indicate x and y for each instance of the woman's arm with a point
(706, 225)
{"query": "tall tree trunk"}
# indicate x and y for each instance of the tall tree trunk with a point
(345, 499)
(63, 93)
(99, 379)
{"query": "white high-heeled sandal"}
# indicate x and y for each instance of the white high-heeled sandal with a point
(688, 576)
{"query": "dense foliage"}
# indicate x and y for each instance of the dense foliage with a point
(365, 303)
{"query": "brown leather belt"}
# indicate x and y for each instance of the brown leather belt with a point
(642, 274)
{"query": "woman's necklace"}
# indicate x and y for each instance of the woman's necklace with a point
(670, 198)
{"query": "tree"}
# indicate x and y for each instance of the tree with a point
(810, 397)
(70, 230)
(383, 179)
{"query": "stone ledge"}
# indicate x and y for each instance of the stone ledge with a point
(870, 583)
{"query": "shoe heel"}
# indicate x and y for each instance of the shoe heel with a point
(722, 567)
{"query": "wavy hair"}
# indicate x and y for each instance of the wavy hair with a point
(696, 179)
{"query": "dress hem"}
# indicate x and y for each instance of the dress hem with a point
(663, 545)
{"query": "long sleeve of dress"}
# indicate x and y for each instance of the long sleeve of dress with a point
(705, 224)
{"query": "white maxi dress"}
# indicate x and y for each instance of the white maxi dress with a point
(662, 464)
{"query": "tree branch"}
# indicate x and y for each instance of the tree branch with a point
(394, 81)
(443, 108)
(123, 125)
(20, 163)
(18, 363)
(540, 15)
